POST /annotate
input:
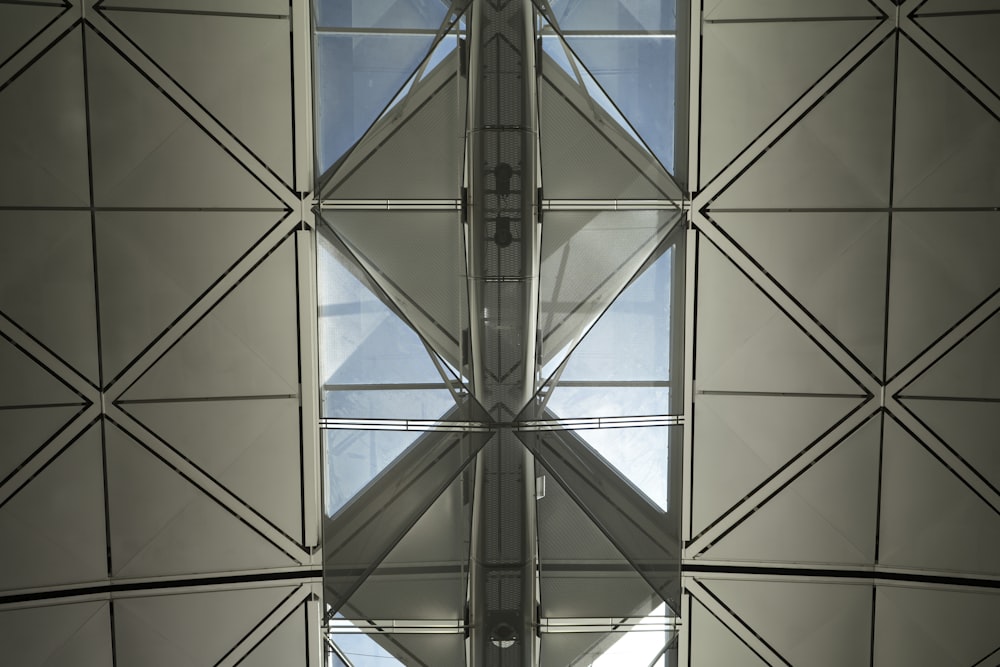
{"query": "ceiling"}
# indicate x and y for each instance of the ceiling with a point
(159, 461)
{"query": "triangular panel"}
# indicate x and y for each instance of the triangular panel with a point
(836, 156)
(144, 148)
(956, 6)
(190, 628)
(613, 15)
(53, 527)
(734, 10)
(971, 39)
(44, 142)
(251, 447)
(826, 625)
(636, 73)
(825, 260)
(588, 149)
(943, 265)
(358, 75)
(946, 141)
(22, 431)
(971, 369)
(245, 346)
(66, 634)
(286, 645)
(968, 427)
(47, 282)
(827, 515)
(162, 524)
(277, 8)
(153, 265)
(422, 270)
(715, 645)
(404, 14)
(752, 72)
(745, 343)
(424, 578)
(248, 86)
(961, 631)
(416, 149)
(19, 23)
(35, 385)
(587, 258)
(742, 440)
(930, 519)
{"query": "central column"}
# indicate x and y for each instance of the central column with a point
(503, 258)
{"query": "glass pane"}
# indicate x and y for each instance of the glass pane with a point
(638, 646)
(357, 76)
(638, 74)
(610, 15)
(640, 455)
(362, 340)
(608, 401)
(380, 13)
(631, 341)
(363, 651)
(354, 458)
(388, 403)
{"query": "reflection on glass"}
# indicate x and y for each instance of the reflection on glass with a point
(638, 646)
(355, 458)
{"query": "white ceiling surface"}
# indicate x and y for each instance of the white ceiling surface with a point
(152, 460)
(847, 375)
(150, 338)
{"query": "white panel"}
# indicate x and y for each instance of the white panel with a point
(832, 263)
(71, 634)
(745, 343)
(251, 447)
(19, 23)
(714, 645)
(929, 518)
(53, 528)
(162, 524)
(47, 282)
(943, 265)
(22, 431)
(191, 628)
(820, 625)
(739, 441)
(972, 39)
(44, 142)
(932, 6)
(837, 156)
(147, 153)
(35, 385)
(946, 141)
(968, 427)
(153, 265)
(238, 68)
(827, 515)
(971, 369)
(286, 645)
(934, 627)
(751, 72)
(771, 9)
(245, 346)
(276, 7)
